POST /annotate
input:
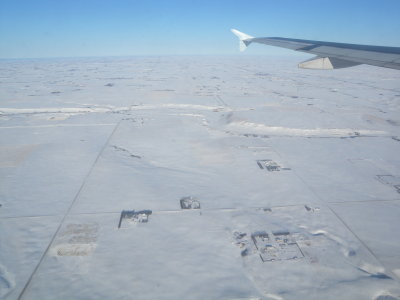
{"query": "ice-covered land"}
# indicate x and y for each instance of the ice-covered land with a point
(198, 178)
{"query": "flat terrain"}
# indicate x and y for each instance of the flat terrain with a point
(198, 178)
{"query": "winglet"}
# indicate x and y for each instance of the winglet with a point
(244, 39)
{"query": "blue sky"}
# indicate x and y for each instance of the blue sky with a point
(61, 28)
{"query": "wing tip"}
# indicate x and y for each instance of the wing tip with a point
(243, 39)
(241, 35)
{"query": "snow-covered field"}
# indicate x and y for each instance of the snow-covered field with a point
(198, 178)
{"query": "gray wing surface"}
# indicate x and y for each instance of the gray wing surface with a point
(330, 55)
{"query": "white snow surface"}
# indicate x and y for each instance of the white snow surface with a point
(82, 140)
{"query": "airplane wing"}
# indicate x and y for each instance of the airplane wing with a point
(330, 55)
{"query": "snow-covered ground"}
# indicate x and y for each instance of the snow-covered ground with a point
(293, 177)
